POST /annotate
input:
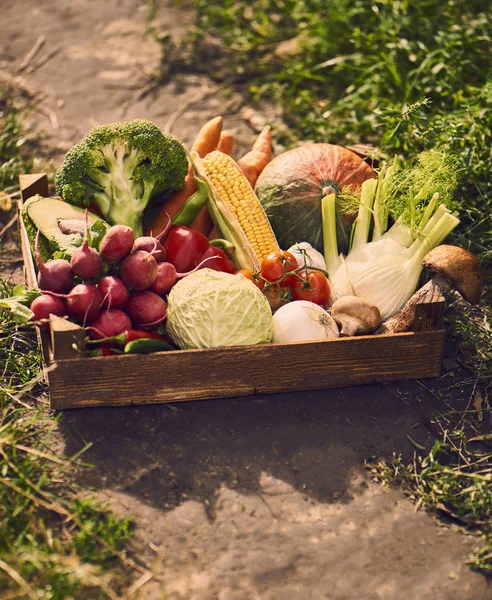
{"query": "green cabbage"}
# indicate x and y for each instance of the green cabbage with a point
(208, 308)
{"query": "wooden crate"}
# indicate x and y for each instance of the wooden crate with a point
(182, 375)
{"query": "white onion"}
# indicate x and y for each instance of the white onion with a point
(303, 321)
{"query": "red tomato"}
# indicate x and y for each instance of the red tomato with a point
(315, 289)
(248, 274)
(276, 264)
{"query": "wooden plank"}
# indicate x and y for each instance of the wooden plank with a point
(32, 184)
(240, 371)
(429, 311)
(67, 338)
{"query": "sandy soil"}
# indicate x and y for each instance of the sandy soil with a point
(237, 499)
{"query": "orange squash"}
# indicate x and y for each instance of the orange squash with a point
(293, 184)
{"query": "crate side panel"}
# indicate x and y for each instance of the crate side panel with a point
(242, 371)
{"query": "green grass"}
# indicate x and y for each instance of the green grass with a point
(55, 542)
(14, 157)
(401, 77)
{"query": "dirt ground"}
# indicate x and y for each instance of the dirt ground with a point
(263, 498)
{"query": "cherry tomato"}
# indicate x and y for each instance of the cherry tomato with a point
(248, 274)
(315, 289)
(276, 264)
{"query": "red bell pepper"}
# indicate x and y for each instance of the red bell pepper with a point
(187, 248)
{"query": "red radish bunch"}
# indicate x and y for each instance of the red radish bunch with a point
(119, 287)
(109, 304)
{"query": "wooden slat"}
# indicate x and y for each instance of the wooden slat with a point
(429, 311)
(67, 338)
(239, 371)
(32, 184)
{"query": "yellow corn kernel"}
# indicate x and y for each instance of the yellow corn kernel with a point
(237, 193)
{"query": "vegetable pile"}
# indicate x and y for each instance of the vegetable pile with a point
(152, 247)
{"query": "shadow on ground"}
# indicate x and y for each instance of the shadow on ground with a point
(314, 441)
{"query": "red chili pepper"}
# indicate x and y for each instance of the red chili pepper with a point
(186, 248)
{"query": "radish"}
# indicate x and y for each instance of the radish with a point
(165, 279)
(114, 292)
(139, 270)
(152, 245)
(86, 262)
(84, 302)
(167, 276)
(54, 275)
(108, 324)
(117, 243)
(45, 305)
(146, 309)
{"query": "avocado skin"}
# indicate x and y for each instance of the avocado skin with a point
(44, 213)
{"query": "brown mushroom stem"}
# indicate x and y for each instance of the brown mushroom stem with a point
(404, 319)
(349, 326)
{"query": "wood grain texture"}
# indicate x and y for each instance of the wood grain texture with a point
(248, 370)
(429, 310)
(30, 185)
(66, 338)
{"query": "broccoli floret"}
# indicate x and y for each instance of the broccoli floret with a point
(120, 167)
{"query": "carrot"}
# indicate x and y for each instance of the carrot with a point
(254, 161)
(172, 205)
(206, 140)
(249, 172)
(226, 142)
(208, 137)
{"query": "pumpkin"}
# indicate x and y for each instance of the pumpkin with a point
(292, 185)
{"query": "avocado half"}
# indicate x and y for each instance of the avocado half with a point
(61, 225)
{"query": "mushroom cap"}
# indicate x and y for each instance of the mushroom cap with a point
(355, 315)
(458, 266)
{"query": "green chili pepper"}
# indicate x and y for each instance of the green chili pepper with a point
(190, 209)
(228, 247)
(146, 345)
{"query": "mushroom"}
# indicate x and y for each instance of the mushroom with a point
(356, 316)
(454, 268)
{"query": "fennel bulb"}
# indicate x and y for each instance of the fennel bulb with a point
(386, 270)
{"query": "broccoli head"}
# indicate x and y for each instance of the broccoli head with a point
(119, 167)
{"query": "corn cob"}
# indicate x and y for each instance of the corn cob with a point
(238, 195)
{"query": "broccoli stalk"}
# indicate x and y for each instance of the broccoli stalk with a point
(119, 167)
